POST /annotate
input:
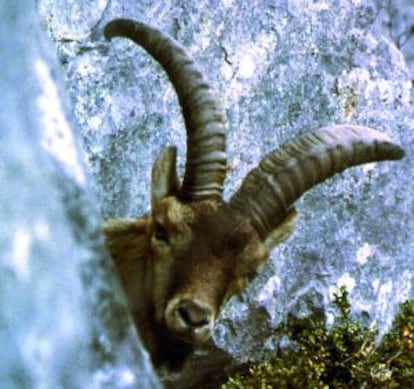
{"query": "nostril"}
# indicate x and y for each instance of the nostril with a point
(191, 318)
(192, 314)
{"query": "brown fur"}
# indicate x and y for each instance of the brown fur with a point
(211, 254)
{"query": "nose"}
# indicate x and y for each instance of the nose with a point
(190, 320)
(192, 314)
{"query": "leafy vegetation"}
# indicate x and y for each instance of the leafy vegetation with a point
(346, 356)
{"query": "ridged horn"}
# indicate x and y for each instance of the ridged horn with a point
(269, 191)
(206, 158)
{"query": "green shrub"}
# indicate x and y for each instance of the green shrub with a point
(346, 356)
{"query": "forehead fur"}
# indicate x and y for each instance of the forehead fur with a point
(227, 235)
(176, 212)
(172, 211)
(211, 231)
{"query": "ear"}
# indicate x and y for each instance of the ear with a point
(164, 180)
(283, 230)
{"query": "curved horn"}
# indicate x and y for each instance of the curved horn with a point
(206, 159)
(268, 192)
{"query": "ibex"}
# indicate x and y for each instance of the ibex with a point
(193, 251)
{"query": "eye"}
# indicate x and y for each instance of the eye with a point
(160, 232)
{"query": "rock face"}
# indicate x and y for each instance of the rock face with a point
(282, 68)
(398, 23)
(63, 321)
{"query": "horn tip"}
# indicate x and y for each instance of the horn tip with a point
(396, 152)
(109, 31)
(115, 27)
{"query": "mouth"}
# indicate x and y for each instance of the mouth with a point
(194, 337)
(190, 336)
(173, 350)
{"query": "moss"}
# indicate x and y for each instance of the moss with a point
(346, 356)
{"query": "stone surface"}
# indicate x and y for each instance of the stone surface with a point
(398, 24)
(281, 68)
(63, 319)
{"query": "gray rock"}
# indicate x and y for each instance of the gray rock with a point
(398, 25)
(63, 319)
(282, 68)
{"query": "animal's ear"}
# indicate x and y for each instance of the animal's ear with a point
(283, 230)
(164, 180)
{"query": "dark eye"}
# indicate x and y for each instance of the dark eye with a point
(160, 232)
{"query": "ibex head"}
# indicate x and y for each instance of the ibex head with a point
(193, 251)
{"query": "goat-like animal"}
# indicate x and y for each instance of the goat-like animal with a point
(181, 262)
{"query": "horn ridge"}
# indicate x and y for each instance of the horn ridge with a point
(203, 116)
(268, 192)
